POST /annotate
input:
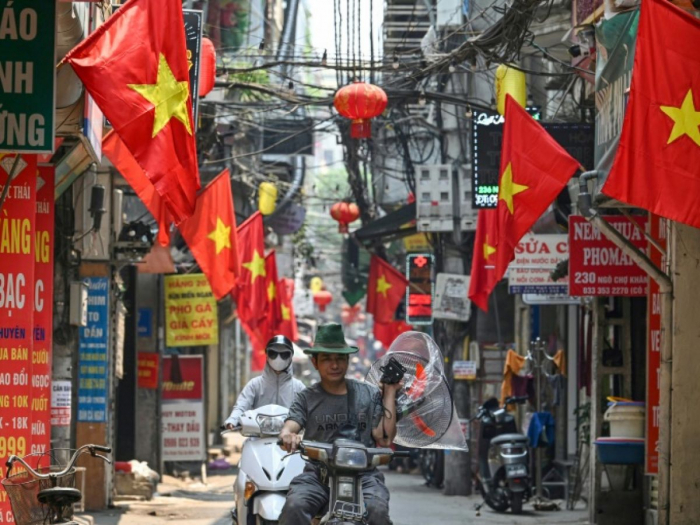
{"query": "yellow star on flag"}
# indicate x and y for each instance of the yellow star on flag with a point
(169, 97)
(488, 249)
(286, 314)
(221, 236)
(686, 120)
(509, 189)
(256, 266)
(382, 285)
(271, 291)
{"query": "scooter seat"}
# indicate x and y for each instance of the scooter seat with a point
(510, 438)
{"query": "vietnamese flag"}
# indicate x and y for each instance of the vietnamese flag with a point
(211, 235)
(483, 278)
(274, 308)
(251, 293)
(656, 165)
(288, 321)
(135, 67)
(533, 172)
(122, 159)
(385, 333)
(385, 290)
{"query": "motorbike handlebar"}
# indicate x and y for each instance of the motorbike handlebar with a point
(402, 454)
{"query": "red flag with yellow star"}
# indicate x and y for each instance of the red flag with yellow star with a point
(288, 322)
(385, 290)
(251, 293)
(533, 173)
(211, 235)
(135, 67)
(385, 333)
(483, 278)
(656, 165)
(122, 159)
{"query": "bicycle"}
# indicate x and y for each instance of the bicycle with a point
(45, 494)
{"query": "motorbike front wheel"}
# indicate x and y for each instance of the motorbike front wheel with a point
(516, 503)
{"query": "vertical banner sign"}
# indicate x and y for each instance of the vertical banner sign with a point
(16, 305)
(657, 230)
(597, 267)
(43, 310)
(190, 311)
(183, 408)
(27, 75)
(193, 41)
(148, 370)
(419, 293)
(61, 401)
(93, 348)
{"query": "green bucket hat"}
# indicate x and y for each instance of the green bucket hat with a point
(330, 340)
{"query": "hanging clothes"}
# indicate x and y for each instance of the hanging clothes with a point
(541, 430)
(560, 362)
(513, 365)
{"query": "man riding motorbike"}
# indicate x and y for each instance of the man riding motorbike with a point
(276, 385)
(337, 407)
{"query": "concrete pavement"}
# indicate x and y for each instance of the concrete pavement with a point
(412, 503)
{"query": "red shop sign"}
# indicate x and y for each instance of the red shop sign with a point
(657, 229)
(182, 377)
(17, 219)
(148, 370)
(597, 267)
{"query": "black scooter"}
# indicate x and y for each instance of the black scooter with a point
(503, 478)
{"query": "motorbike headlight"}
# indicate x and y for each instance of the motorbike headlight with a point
(513, 451)
(271, 425)
(353, 458)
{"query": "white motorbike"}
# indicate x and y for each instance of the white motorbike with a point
(265, 470)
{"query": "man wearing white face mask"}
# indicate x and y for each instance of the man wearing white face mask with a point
(276, 385)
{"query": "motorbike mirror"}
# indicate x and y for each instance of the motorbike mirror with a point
(491, 404)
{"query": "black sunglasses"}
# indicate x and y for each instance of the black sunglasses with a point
(285, 354)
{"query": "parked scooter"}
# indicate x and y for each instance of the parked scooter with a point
(265, 471)
(345, 461)
(503, 478)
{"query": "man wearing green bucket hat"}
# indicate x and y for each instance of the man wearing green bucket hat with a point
(337, 407)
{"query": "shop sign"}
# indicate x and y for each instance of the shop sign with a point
(43, 309)
(657, 230)
(182, 409)
(93, 346)
(616, 40)
(148, 370)
(464, 370)
(597, 267)
(537, 299)
(536, 256)
(27, 75)
(182, 377)
(419, 292)
(61, 403)
(451, 297)
(418, 242)
(190, 311)
(145, 322)
(17, 224)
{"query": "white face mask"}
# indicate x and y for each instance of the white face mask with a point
(278, 364)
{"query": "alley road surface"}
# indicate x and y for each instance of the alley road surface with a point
(411, 504)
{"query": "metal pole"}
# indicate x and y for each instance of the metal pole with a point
(238, 359)
(537, 357)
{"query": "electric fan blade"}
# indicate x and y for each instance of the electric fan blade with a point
(422, 426)
(418, 386)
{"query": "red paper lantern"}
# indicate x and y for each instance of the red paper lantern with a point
(350, 314)
(344, 213)
(360, 102)
(207, 71)
(323, 299)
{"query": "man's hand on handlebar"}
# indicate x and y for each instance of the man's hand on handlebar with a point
(289, 441)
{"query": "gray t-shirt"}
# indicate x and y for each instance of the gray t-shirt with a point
(326, 417)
